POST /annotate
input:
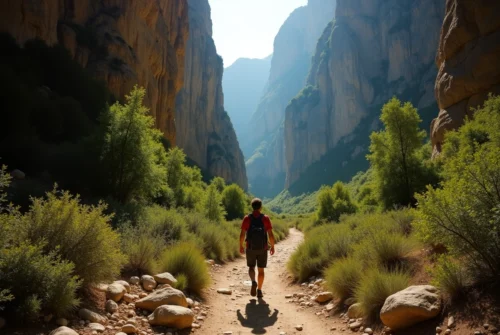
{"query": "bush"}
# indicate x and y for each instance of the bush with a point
(343, 276)
(182, 282)
(451, 277)
(333, 202)
(81, 234)
(212, 205)
(186, 259)
(141, 248)
(234, 202)
(37, 282)
(168, 224)
(280, 230)
(374, 288)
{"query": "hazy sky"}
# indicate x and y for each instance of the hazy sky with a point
(246, 28)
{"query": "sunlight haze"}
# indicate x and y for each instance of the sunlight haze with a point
(246, 28)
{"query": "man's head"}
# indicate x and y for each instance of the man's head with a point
(256, 204)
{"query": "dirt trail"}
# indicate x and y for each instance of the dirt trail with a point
(243, 314)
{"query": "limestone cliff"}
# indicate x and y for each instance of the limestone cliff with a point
(204, 129)
(467, 60)
(375, 49)
(122, 42)
(294, 46)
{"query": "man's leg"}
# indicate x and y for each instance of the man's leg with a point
(251, 262)
(251, 273)
(261, 278)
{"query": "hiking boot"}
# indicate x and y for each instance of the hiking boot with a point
(259, 294)
(253, 291)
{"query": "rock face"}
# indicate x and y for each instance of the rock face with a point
(204, 128)
(121, 42)
(243, 83)
(410, 306)
(165, 296)
(373, 50)
(294, 45)
(467, 60)
(172, 316)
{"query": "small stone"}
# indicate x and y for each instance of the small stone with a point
(447, 332)
(97, 327)
(63, 331)
(60, 322)
(288, 296)
(299, 327)
(228, 332)
(143, 295)
(90, 316)
(355, 325)
(130, 297)
(330, 307)
(369, 331)
(451, 322)
(94, 332)
(111, 306)
(224, 291)
(148, 283)
(486, 326)
(195, 325)
(129, 329)
(438, 330)
(120, 333)
(134, 280)
(477, 332)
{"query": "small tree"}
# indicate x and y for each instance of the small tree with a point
(393, 154)
(219, 183)
(233, 200)
(133, 155)
(334, 201)
(212, 205)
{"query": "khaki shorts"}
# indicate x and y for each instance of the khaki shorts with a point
(258, 257)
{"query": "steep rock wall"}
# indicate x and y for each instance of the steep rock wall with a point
(122, 42)
(467, 60)
(374, 49)
(204, 129)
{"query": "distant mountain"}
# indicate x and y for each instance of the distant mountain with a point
(243, 83)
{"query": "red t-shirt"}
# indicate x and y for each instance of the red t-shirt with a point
(246, 222)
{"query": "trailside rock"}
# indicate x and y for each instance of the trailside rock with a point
(86, 314)
(124, 283)
(111, 306)
(134, 280)
(115, 292)
(129, 329)
(97, 327)
(165, 278)
(148, 283)
(172, 316)
(324, 297)
(225, 291)
(165, 296)
(63, 331)
(410, 306)
(355, 311)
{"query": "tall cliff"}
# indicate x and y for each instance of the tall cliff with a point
(122, 42)
(375, 49)
(243, 84)
(467, 60)
(204, 129)
(294, 46)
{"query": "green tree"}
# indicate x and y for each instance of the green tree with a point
(393, 154)
(465, 213)
(219, 183)
(133, 155)
(212, 204)
(333, 202)
(234, 202)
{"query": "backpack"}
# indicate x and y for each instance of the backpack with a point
(256, 234)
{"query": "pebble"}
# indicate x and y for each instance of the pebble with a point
(299, 327)
(486, 326)
(224, 291)
(438, 330)
(129, 329)
(97, 327)
(451, 322)
(447, 332)
(60, 322)
(228, 332)
(369, 331)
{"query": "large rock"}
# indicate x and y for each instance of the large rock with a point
(115, 292)
(411, 306)
(148, 283)
(324, 297)
(63, 331)
(467, 59)
(132, 42)
(172, 316)
(165, 296)
(165, 278)
(88, 315)
(124, 283)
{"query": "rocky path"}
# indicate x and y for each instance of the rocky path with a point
(240, 313)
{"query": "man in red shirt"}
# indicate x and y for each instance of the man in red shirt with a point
(256, 231)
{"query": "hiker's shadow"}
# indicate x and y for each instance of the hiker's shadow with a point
(258, 316)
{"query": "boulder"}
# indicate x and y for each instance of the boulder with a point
(166, 296)
(101, 287)
(88, 315)
(324, 297)
(165, 278)
(134, 280)
(410, 306)
(115, 292)
(63, 331)
(97, 327)
(124, 283)
(111, 306)
(355, 311)
(172, 316)
(148, 283)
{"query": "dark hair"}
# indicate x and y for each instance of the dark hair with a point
(256, 203)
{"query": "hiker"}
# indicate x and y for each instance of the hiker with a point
(256, 227)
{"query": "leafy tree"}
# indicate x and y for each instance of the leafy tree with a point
(465, 213)
(234, 202)
(133, 154)
(393, 154)
(333, 202)
(212, 204)
(219, 183)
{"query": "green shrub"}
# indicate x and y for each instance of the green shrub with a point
(81, 234)
(374, 288)
(169, 224)
(186, 259)
(37, 282)
(141, 248)
(280, 230)
(333, 202)
(304, 262)
(234, 202)
(451, 277)
(343, 276)
(182, 282)
(212, 205)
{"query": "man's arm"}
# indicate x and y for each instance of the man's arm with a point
(272, 241)
(242, 241)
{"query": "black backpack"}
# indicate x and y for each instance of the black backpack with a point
(256, 234)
